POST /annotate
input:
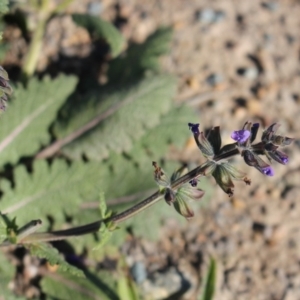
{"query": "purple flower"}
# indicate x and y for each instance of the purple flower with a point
(255, 161)
(240, 136)
(194, 128)
(268, 171)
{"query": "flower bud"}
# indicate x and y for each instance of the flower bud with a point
(194, 128)
(269, 132)
(278, 156)
(201, 141)
(169, 196)
(255, 161)
(160, 176)
(204, 145)
(249, 158)
(281, 140)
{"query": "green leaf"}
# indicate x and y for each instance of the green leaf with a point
(172, 130)
(140, 58)
(104, 231)
(66, 287)
(209, 281)
(105, 236)
(43, 250)
(24, 126)
(3, 230)
(127, 289)
(103, 207)
(136, 110)
(55, 190)
(4, 48)
(6, 272)
(101, 29)
(3, 6)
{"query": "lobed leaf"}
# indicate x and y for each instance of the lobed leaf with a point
(101, 29)
(172, 130)
(65, 287)
(135, 111)
(24, 126)
(140, 58)
(55, 190)
(51, 254)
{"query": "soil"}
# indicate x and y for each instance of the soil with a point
(235, 61)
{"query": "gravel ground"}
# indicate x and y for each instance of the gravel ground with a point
(236, 61)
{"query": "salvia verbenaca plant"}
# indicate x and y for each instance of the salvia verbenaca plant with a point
(182, 186)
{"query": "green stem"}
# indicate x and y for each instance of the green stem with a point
(36, 43)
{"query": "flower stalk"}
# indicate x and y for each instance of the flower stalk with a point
(115, 219)
(178, 189)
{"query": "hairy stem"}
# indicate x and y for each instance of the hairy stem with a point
(116, 219)
(121, 217)
(35, 47)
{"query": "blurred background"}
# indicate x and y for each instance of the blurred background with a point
(217, 63)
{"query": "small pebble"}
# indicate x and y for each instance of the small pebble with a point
(219, 16)
(290, 39)
(209, 16)
(165, 284)
(249, 73)
(206, 15)
(270, 5)
(268, 37)
(95, 8)
(139, 272)
(214, 79)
